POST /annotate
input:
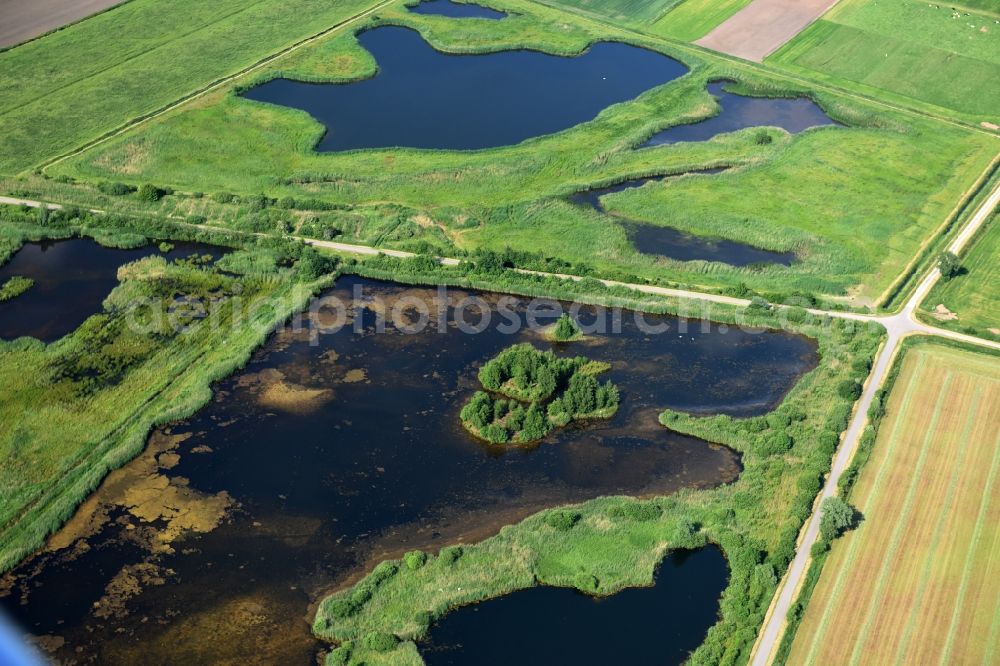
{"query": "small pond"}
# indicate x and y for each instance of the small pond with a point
(327, 454)
(72, 278)
(675, 244)
(456, 9)
(739, 112)
(422, 98)
(547, 625)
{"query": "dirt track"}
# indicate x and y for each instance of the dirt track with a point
(763, 26)
(20, 20)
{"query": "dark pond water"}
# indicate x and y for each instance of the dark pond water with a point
(547, 625)
(72, 279)
(317, 461)
(456, 9)
(675, 244)
(422, 98)
(739, 112)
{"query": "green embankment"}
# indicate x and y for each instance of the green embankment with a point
(972, 297)
(71, 86)
(925, 51)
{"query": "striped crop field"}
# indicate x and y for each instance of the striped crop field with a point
(918, 582)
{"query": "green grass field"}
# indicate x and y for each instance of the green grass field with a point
(630, 12)
(916, 581)
(910, 48)
(974, 295)
(72, 86)
(693, 19)
(899, 182)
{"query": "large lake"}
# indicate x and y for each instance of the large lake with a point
(422, 98)
(328, 453)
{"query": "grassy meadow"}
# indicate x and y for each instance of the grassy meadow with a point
(693, 19)
(628, 12)
(916, 581)
(74, 85)
(913, 49)
(895, 176)
(973, 296)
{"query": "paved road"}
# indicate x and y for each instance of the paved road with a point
(898, 327)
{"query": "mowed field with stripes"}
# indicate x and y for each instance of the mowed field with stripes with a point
(918, 582)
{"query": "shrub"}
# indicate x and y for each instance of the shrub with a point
(637, 511)
(586, 582)
(423, 618)
(849, 389)
(115, 189)
(257, 202)
(382, 573)
(342, 607)
(562, 519)
(949, 265)
(380, 641)
(565, 329)
(451, 554)
(778, 420)
(340, 656)
(224, 197)
(763, 138)
(415, 559)
(149, 192)
(775, 442)
(838, 516)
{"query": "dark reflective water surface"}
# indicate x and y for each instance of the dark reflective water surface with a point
(72, 279)
(739, 112)
(422, 98)
(667, 242)
(546, 625)
(456, 9)
(315, 462)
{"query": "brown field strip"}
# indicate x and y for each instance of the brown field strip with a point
(919, 581)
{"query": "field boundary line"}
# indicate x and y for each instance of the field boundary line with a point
(213, 86)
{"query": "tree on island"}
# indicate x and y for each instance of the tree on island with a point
(537, 392)
(565, 329)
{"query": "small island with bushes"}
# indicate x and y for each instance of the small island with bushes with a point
(529, 393)
(14, 287)
(564, 330)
